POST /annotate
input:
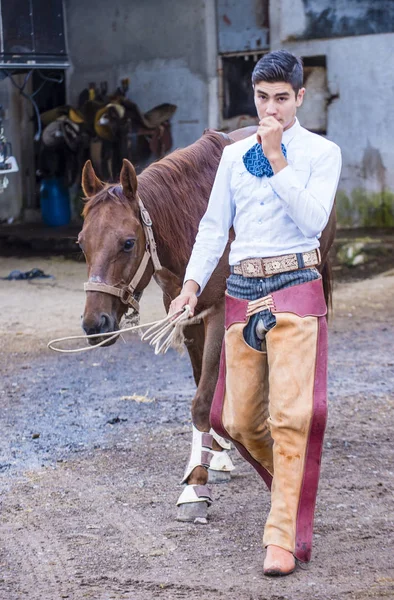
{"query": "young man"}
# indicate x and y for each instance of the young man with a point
(276, 188)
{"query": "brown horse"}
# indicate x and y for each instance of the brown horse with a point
(175, 191)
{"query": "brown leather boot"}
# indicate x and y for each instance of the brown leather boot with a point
(278, 562)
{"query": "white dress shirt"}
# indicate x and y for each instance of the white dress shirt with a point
(271, 216)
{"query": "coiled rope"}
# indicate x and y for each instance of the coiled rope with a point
(159, 333)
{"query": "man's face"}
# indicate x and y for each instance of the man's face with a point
(277, 100)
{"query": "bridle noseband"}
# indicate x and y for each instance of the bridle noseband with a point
(127, 294)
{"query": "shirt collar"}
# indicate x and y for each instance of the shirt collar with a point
(289, 134)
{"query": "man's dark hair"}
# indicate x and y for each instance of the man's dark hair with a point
(279, 65)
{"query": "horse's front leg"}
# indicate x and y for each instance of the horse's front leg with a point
(220, 465)
(208, 449)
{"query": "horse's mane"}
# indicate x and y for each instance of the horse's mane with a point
(175, 191)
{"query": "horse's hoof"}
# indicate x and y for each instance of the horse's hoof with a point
(218, 476)
(192, 512)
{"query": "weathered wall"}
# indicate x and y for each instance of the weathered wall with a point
(14, 107)
(242, 26)
(338, 18)
(360, 115)
(167, 49)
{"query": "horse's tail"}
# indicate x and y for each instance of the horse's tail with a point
(326, 273)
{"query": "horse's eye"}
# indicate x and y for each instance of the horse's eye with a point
(128, 245)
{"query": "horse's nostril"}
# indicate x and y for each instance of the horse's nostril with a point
(105, 322)
(101, 323)
(89, 330)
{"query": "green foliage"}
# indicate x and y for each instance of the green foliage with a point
(344, 208)
(365, 209)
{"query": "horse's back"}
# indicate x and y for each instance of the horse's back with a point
(241, 134)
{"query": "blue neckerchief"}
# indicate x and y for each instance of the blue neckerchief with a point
(257, 163)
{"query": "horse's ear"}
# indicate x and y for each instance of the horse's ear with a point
(128, 179)
(91, 184)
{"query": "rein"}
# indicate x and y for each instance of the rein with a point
(157, 330)
(127, 293)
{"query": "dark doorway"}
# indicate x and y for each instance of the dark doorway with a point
(237, 85)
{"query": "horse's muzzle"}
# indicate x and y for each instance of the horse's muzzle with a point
(104, 323)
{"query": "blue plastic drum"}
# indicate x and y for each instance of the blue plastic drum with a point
(55, 202)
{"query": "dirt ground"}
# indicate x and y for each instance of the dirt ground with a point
(94, 445)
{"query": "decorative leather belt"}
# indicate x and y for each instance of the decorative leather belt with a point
(266, 267)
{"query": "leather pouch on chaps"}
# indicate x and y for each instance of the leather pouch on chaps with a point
(273, 406)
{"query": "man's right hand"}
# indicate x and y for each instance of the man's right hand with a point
(188, 296)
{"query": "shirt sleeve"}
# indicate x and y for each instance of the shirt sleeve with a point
(214, 227)
(310, 206)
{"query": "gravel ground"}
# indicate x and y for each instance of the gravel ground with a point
(94, 445)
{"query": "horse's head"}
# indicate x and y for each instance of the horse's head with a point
(113, 241)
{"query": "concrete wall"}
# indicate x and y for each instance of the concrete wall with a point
(360, 119)
(167, 49)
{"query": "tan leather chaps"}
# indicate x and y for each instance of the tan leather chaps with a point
(273, 406)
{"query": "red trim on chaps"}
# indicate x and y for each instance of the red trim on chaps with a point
(217, 424)
(264, 474)
(235, 310)
(303, 299)
(217, 402)
(307, 501)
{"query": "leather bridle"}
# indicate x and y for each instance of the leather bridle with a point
(127, 294)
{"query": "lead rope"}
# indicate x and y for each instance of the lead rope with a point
(155, 332)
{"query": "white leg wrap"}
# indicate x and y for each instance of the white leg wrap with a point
(220, 440)
(201, 454)
(221, 461)
(195, 493)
